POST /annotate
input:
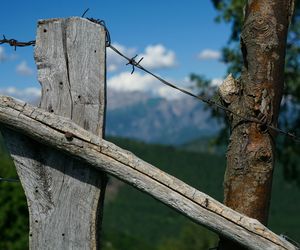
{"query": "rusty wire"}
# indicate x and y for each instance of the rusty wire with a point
(136, 64)
(14, 43)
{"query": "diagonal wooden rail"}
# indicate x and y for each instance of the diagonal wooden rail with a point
(64, 135)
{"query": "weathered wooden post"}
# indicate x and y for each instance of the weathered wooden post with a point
(65, 199)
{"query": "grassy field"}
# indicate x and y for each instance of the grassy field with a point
(134, 220)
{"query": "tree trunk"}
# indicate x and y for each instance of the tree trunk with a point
(258, 92)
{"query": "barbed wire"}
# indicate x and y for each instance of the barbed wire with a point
(14, 43)
(136, 64)
(131, 61)
(203, 98)
(9, 180)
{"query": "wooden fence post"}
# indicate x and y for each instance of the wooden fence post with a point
(65, 199)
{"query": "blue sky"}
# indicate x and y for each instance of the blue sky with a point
(175, 37)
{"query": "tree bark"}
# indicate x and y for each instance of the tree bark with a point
(257, 94)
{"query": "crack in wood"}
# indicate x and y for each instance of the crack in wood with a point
(64, 29)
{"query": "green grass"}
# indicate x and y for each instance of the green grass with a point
(134, 220)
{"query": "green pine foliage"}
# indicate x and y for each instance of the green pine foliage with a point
(13, 207)
(191, 237)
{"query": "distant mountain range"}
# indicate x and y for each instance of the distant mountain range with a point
(153, 119)
(157, 120)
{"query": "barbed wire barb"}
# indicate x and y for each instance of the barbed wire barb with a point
(134, 63)
(85, 12)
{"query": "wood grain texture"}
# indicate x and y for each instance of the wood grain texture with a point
(64, 135)
(64, 196)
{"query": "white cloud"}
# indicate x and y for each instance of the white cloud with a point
(23, 69)
(114, 61)
(146, 83)
(157, 56)
(6, 57)
(216, 81)
(112, 67)
(3, 56)
(209, 54)
(169, 93)
(30, 94)
(132, 82)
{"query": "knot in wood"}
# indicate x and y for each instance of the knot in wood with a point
(262, 31)
(69, 136)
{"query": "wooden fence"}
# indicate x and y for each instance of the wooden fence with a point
(63, 161)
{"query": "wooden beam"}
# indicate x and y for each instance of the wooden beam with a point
(66, 136)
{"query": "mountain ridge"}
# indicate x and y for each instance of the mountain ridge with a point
(155, 119)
